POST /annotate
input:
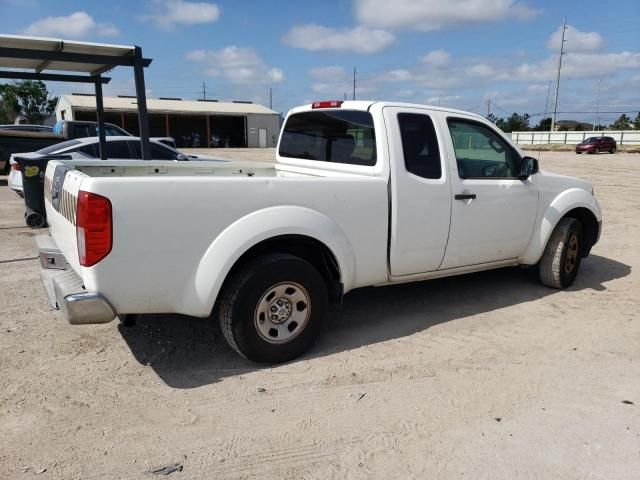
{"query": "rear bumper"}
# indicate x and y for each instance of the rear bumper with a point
(65, 288)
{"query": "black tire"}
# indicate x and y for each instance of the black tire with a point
(560, 261)
(578, 153)
(613, 150)
(596, 151)
(250, 288)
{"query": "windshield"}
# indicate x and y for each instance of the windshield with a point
(58, 146)
(339, 136)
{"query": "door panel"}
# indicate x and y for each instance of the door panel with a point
(420, 192)
(498, 222)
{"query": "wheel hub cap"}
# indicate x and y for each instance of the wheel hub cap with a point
(280, 310)
(283, 312)
(572, 254)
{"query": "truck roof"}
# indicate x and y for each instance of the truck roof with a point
(367, 104)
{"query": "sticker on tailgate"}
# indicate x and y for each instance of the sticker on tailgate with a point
(61, 200)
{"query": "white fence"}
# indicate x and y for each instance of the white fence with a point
(623, 137)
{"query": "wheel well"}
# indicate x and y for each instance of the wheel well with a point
(310, 249)
(590, 227)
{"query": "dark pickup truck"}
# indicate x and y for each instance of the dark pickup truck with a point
(16, 141)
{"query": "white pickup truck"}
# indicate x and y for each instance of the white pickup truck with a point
(362, 194)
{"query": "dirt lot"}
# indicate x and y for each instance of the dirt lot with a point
(485, 376)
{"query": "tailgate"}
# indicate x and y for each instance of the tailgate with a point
(61, 186)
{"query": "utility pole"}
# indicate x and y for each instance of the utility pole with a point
(555, 103)
(204, 91)
(488, 107)
(270, 98)
(595, 119)
(354, 83)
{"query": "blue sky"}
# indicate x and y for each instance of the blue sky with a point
(456, 53)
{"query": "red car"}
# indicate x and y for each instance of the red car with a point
(597, 145)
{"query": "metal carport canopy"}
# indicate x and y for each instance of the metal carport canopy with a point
(47, 57)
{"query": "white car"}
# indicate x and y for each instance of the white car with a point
(362, 194)
(118, 147)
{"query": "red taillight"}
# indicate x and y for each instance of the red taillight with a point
(15, 166)
(93, 228)
(327, 104)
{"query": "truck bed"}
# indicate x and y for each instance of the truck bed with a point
(172, 221)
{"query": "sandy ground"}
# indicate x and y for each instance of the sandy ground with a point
(484, 376)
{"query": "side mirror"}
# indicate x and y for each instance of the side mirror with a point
(528, 167)
(182, 157)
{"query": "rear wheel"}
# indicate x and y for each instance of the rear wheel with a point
(613, 150)
(560, 261)
(273, 308)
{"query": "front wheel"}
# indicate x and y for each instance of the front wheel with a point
(273, 308)
(596, 151)
(560, 261)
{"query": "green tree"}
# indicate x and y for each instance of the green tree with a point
(516, 123)
(28, 98)
(622, 123)
(544, 125)
(497, 121)
(7, 113)
(636, 122)
(492, 118)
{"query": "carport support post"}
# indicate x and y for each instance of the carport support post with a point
(102, 138)
(141, 94)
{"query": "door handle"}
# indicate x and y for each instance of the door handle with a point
(464, 196)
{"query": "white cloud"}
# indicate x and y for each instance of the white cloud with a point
(538, 88)
(436, 58)
(76, 25)
(574, 65)
(442, 99)
(404, 93)
(237, 64)
(575, 40)
(167, 14)
(358, 39)
(397, 75)
(331, 73)
(426, 15)
(481, 70)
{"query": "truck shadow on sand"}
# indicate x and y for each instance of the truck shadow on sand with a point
(190, 352)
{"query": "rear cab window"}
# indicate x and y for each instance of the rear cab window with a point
(338, 136)
(420, 145)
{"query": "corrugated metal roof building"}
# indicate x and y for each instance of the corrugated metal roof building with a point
(208, 123)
